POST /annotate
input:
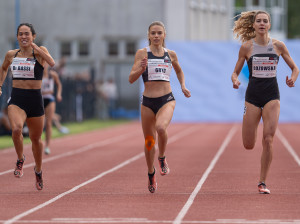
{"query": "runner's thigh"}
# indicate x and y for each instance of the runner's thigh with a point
(251, 118)
(270, 115)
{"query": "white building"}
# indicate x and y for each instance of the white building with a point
(105, 34)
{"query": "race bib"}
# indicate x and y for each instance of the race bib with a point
(47, 85)
(264, 67)
(158, 69)
(23, 68)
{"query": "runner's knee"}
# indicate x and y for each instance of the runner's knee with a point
(248, 145)
(268, 140)
(160, 129)
(17, 131)
(149, 142)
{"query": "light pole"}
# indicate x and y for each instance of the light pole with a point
(17, 19)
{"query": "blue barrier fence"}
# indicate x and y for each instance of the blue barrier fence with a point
(208, 67)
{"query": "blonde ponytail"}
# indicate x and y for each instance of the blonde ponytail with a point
(243, 27)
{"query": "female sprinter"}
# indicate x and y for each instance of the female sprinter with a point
(262, 96)
(49, 79)
(26, 103)
(154, 64)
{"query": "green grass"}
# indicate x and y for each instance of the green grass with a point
(74, 128)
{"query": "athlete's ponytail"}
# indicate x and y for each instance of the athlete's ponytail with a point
(243, 27)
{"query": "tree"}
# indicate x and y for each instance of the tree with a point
(293, 19)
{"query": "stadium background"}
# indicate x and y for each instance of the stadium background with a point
(201, 35)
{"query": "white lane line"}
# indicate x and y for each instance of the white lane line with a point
(146, 221)
(11, 149)
(138, 156)
(190, 201)
(14, 219)
(107, 220)
(288, 146)
(89, 147)
(79, 150)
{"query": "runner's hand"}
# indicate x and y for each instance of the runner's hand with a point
(144, 63)
(186, 92)
(290, 82)
(236, 83)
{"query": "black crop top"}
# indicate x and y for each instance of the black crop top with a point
(26, 68)
(158, 68)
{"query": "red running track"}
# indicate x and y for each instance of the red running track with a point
(101, 177)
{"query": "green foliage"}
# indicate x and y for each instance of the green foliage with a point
(293, 19)
(240, 3)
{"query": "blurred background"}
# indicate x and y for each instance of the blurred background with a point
(94, 42)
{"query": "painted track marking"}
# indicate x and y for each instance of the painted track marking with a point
(77, 151)
(146, 221)
(288, 146)
(193, 195)
(126, 162)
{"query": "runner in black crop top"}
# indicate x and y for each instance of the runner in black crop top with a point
(158, 68)
(154, 63)
(21, 71)
(25, 103)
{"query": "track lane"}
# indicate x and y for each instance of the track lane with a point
(128, 202)
(230, 192)
(120, 196)
(107, 154)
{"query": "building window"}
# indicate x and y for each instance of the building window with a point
(130, 48)
(268, 4)
(256, 2)
(65, 48)
(113, 48)
(83, 48)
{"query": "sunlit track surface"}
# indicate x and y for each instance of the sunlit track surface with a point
(101, 177)
(146, 221)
